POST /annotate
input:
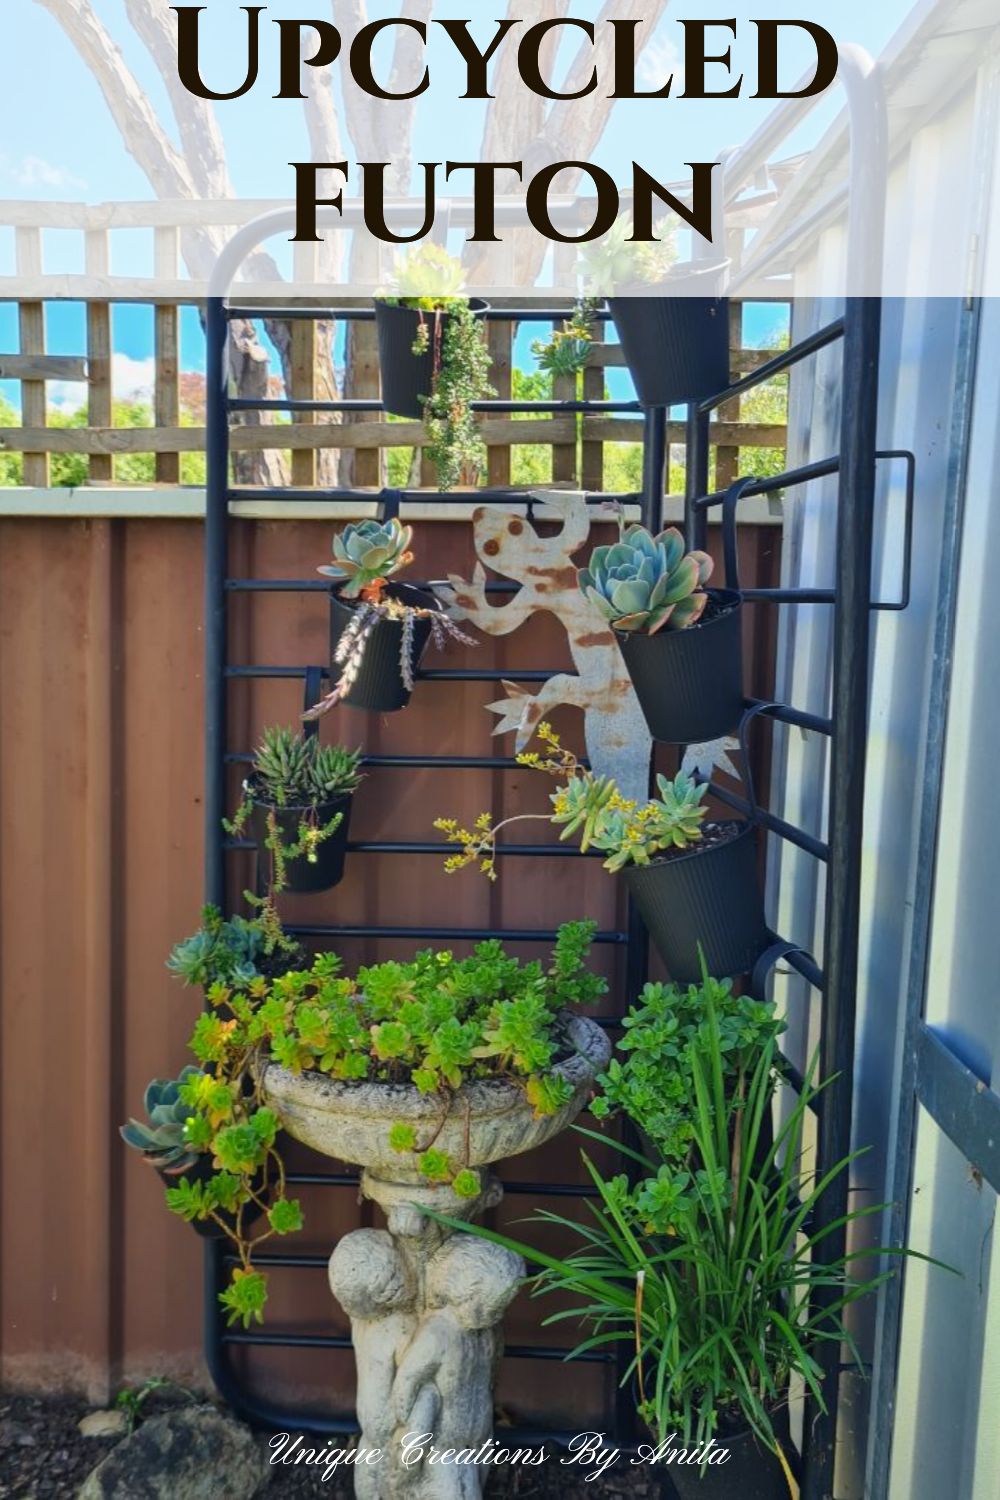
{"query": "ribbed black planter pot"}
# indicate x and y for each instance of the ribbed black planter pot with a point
(690, 682)
(379, 685)
(677, 346)
(708, 896)
(303, 875)
(751, 1472)
(408, 378)
(201, 1171)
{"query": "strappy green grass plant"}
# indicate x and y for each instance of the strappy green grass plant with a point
(730, 1296)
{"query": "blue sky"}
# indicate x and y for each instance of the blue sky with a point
(60, 143)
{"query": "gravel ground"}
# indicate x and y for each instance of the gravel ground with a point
(44, 1456)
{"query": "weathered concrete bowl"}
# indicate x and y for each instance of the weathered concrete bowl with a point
(488, 1120)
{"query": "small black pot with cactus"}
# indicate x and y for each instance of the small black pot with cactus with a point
(297, 803)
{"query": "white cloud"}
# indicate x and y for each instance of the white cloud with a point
(36, 172)
(132, 379)
(66, 396)
(658, 61)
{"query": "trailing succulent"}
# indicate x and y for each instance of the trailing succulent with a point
(645, 583)
(432, 281)
(163, 1140)
(435, 1022)
(628, 832)
(365, 555)
(461, 376)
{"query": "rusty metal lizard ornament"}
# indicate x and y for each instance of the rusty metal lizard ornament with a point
(617, 740)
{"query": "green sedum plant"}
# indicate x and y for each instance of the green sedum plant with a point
(649, 1078)
(645, 583)
(432, 281)
(436, 1022)
(628, 832)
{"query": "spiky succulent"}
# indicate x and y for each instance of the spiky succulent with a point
(295, 770)
(163, 1140)
(644, 582)
(368, 552)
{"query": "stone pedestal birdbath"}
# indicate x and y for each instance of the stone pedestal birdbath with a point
(425, 1303)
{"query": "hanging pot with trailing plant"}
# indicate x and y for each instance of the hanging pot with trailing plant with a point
(682, 642)
(297, 802)
(379, 629)
(412, 337)
(434, 360)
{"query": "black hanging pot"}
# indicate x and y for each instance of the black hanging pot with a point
(379, 685)
(707, 895)
(304, 875)
(201, 1171)
(408, 378)
(676, 345)
(690, 682)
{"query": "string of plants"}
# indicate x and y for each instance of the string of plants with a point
(697, 1254)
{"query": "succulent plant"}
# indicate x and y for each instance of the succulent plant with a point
(163, 1140)
(367, 552)
(428, 278)
(616, 260)
(644, 582)
(220, 952)
(295, 770)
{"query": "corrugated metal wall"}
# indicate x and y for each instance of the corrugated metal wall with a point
(942, 203)
(100, 872)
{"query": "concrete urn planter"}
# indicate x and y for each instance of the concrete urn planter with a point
(426, 1304)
